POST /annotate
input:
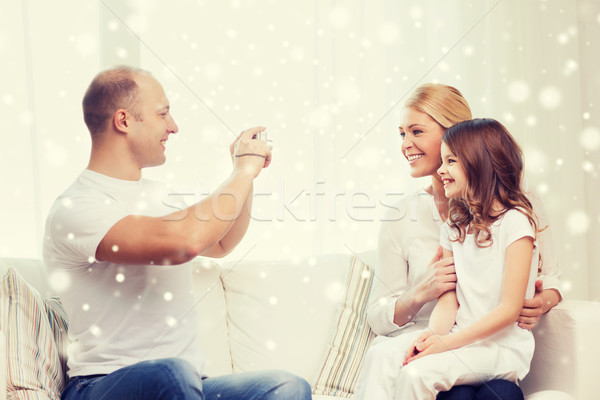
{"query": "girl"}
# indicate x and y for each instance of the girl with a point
(491, 234)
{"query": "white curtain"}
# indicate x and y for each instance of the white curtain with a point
(328, 79)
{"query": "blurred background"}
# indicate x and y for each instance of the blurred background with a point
(328, 79)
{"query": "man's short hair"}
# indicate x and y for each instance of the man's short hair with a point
(110, 90)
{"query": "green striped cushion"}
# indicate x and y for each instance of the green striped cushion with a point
(350, 338)
(34, 368)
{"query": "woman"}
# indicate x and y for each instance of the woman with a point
(408, 282)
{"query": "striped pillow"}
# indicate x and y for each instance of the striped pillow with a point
(34, 368)
(350, 338)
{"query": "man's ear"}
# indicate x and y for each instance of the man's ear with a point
(121, 119)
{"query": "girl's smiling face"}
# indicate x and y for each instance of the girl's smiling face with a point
(452, 174)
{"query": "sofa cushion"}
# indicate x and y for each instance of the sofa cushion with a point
(212, 326)
(351, 335)
(34, 367)
(280, 313)
(57, 317)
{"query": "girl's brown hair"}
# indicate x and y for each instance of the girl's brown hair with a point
(493, 164)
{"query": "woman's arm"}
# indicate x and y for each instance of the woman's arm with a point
(547, 288)
(439, 278)
(514, 284)
(395, 301)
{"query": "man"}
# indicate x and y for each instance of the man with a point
(132, 327)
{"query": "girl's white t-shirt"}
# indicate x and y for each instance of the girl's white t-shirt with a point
(409, 236)
(479, 273)
(118, 314)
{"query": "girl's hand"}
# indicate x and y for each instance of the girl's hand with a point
(432, 345)
(439, 277)
(412, 350)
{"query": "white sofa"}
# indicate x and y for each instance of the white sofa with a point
(262, 315)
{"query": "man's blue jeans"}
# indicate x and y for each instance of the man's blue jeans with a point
(176, 379)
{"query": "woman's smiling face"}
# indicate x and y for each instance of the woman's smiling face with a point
(421, 141)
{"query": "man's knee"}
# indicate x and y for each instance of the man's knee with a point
(174, 375)
(171, 366)
(288, 386)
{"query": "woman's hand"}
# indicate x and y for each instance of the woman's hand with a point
(439, 277)
(533, 308)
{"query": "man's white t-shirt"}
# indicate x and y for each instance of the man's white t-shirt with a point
(118, 314)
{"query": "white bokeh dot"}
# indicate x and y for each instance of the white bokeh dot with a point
(26, 118)
(95, 330)
(119, 277)
(590, 138)
(115, 248)
(67, 202)
(563, 38)
(339, 17)
(335, 292)
(212, 71)
(531, 120)
(570, 67)
(543, 188)
(587, 166)
(85, 307)
(270, 345)
(8, 99)
(273, 300)
(168, 296)
(535, 159)
(416, 12)
(171, 321)
(388, 33)
(55, 154)
(518, 91)
(86, 44)
(59, 281)
(550, 97)
(508, 117)
(578, 222)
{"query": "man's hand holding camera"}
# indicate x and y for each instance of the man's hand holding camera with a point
(251, 151)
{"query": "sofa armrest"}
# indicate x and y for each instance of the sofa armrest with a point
(566, 350)
(2, 366)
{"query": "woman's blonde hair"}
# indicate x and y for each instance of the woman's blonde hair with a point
(445, 104)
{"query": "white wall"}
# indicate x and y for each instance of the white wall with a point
(328, 79)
